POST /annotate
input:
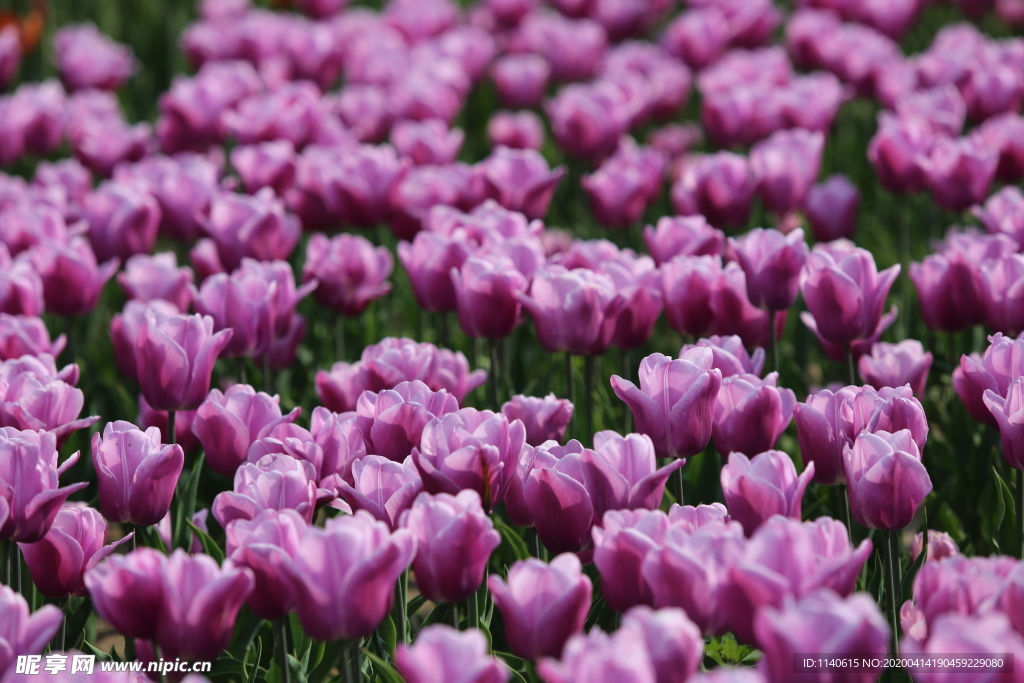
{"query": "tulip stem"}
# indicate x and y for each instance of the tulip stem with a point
(5, 562)
(850, 366)
(677, 479)
(495, 374)
(570, 389)
(472, 612)
(844, 509)
(401, 593)
(171, 436)
(589, 375)
(773, 344)
(281, 649)
(445, 334)
(349, 657)
(268, 382)
(888, 542)
(63, 623)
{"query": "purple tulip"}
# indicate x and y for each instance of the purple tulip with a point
(10, 60)
(544, 419)
(786, 166)
(454, 540)
(72, 281)
(730, 357)
(427, 142)
(26, 224)
(940, 546)
(255, 227)
(292, 111)
(73, 545)
(421, 188)
(625, 184)
(750, 414)
(265, 164)
(23, 335)
(554, 495)
(276, 481)
(136, 473)
(103, 144)
(382, 487)
(824, 623)
(350, 270)
(345, 574)
(772, 263)
(265, 545)
(1007, 413)
(42, 403)
(1002, 133)
(520, 79)
(21, 288)
(894, 365)
(542, 604)
(942, 108)
(25, 632)
(1000, 293)
(888, 410)
(587, 121)
(831, 208)
(573, 47)
(1003, 212)
(573, 311)
(428, 261)
(601, 658)
(886, 479)
(687, 388)
(813, 555)
(182, 185)
(981, 634)
(228, 423)
(690, 569)
(487, 291)
(125, 326)
(686, 235)
(340, 442)
(122, 221)
(620, 473)
(673, 642)
(87, 58)
(243, 303)
(845, 296)
(146, 278)
(959, 172)
(441, 653)
(290, 439)
(516, 130)
(719, 186)
(620, 546)
(960, 585)
(392, 420)
(899, 152)
(766, 485)
(1002, 362)
(520, 180)
(127, 591)
(823, 432)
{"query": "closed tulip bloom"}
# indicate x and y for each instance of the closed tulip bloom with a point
(982, 634)
(941, 107)
(486, 295)
(1002, 362)
(687, 388)
(520, 180)
(127, 591)
(290, 439)
(255, 227)
(886, 478)
(516, 130)
(42, 366)
(182, 185)
(831, 208)
(10, 60)
(772, 263)
(146, 278)
(690, 569)
(940, 546)
(422, 188)
(441, 654)
(625, 184)
(350, 270)
(470, 449)
(1002, 133)
(765, 485)
(125, 327)
(960, 172)
(24, 632)
(1003, 212)
(899, 152)
(824, 623)
(894, 365)
(346, 574)
(276, 481)
(175, 360)
(520, 79)
(427, 142)
(73, 545)
(620, 473)
(72, 280)
(750, 414)
(786, 166)
(40, 402)
(544, 419)
(382, 487)
(428, 261)
(693, 517)
(602, 658)
(698, 37)
(542, 604)
(730, 356)
(86, 58)
(1001, 280)
(136, 473)
(340, 441)
(620, 545)
(687, 285)
(392, 420)
(686, 235)
(24, 335)
(719, 186)
(887, 410)
(823, 432)
(265, 164)
(454, 540)
(122, 221)
(845, 295)
(673, 642)
(265, 545)
(573, 311)
(1010, 420)
(555, 497)
(814, 555)
(21, 288)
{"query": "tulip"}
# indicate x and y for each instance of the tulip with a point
(265, 545)
(573, 311)
(127, 591)
(766, 485)
(21, 288)
(687, 235)
(1002, 133)
(290, 439)
(442, 653)
(687, 284)
(1000, 293)
(175, 358)
(34, 402)
(587, 121)
(276, 482)
(147, 417)
(392, 420)
(382, 487)
(995, 369)
(624, 185)
(542, 604)
(823, 433)
(520, 79)
(845, 295)
(427, 142)
(886, 478)
(122, 221)
(72, 546)
(265, 164)
(428, 261)
(345, 575)
(24, 632)
(621, 544)
(516, 130)
(26, 224)
(730, 357)
(487, 295)
(831, 208)
(182, 185)
(146, 278)
(720, 186)
(10, 59)
(959, 172)
(87, 58)
(786, 166)
(750, 414)
(23, 335)
(254, 227)
(942, 108)
(821, 623)
(690, 569)
(894, 365)
(673, 642)
(137, 474)
(899, 152)
(981, 634)
(940, 546)
(350, 270)
(602, 658)
(963, 585)
(817, 555)
(581, 43)
(772, 263)
(125, 326)
(454, 540)
(421, 188)
(554, 496)
(1003, 212)
(520, 180)
(227, 423)
(72, 281)
(470, 449)
(620, 473)
(692, 517)
(544, 419)
(292, 111)
(1006, 412)
(687, 388)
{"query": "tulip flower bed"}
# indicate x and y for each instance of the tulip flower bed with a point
(518, 340)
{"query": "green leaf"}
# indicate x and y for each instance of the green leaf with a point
(227, 668)
(439, 615)
(727, 651)
(1011, 508)
(414, 605)
(514, 663)
(256, 662)
(89, 648)
(210, 546)
(907, 584)
(384, 670)
(389, 634)
(515, 541)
